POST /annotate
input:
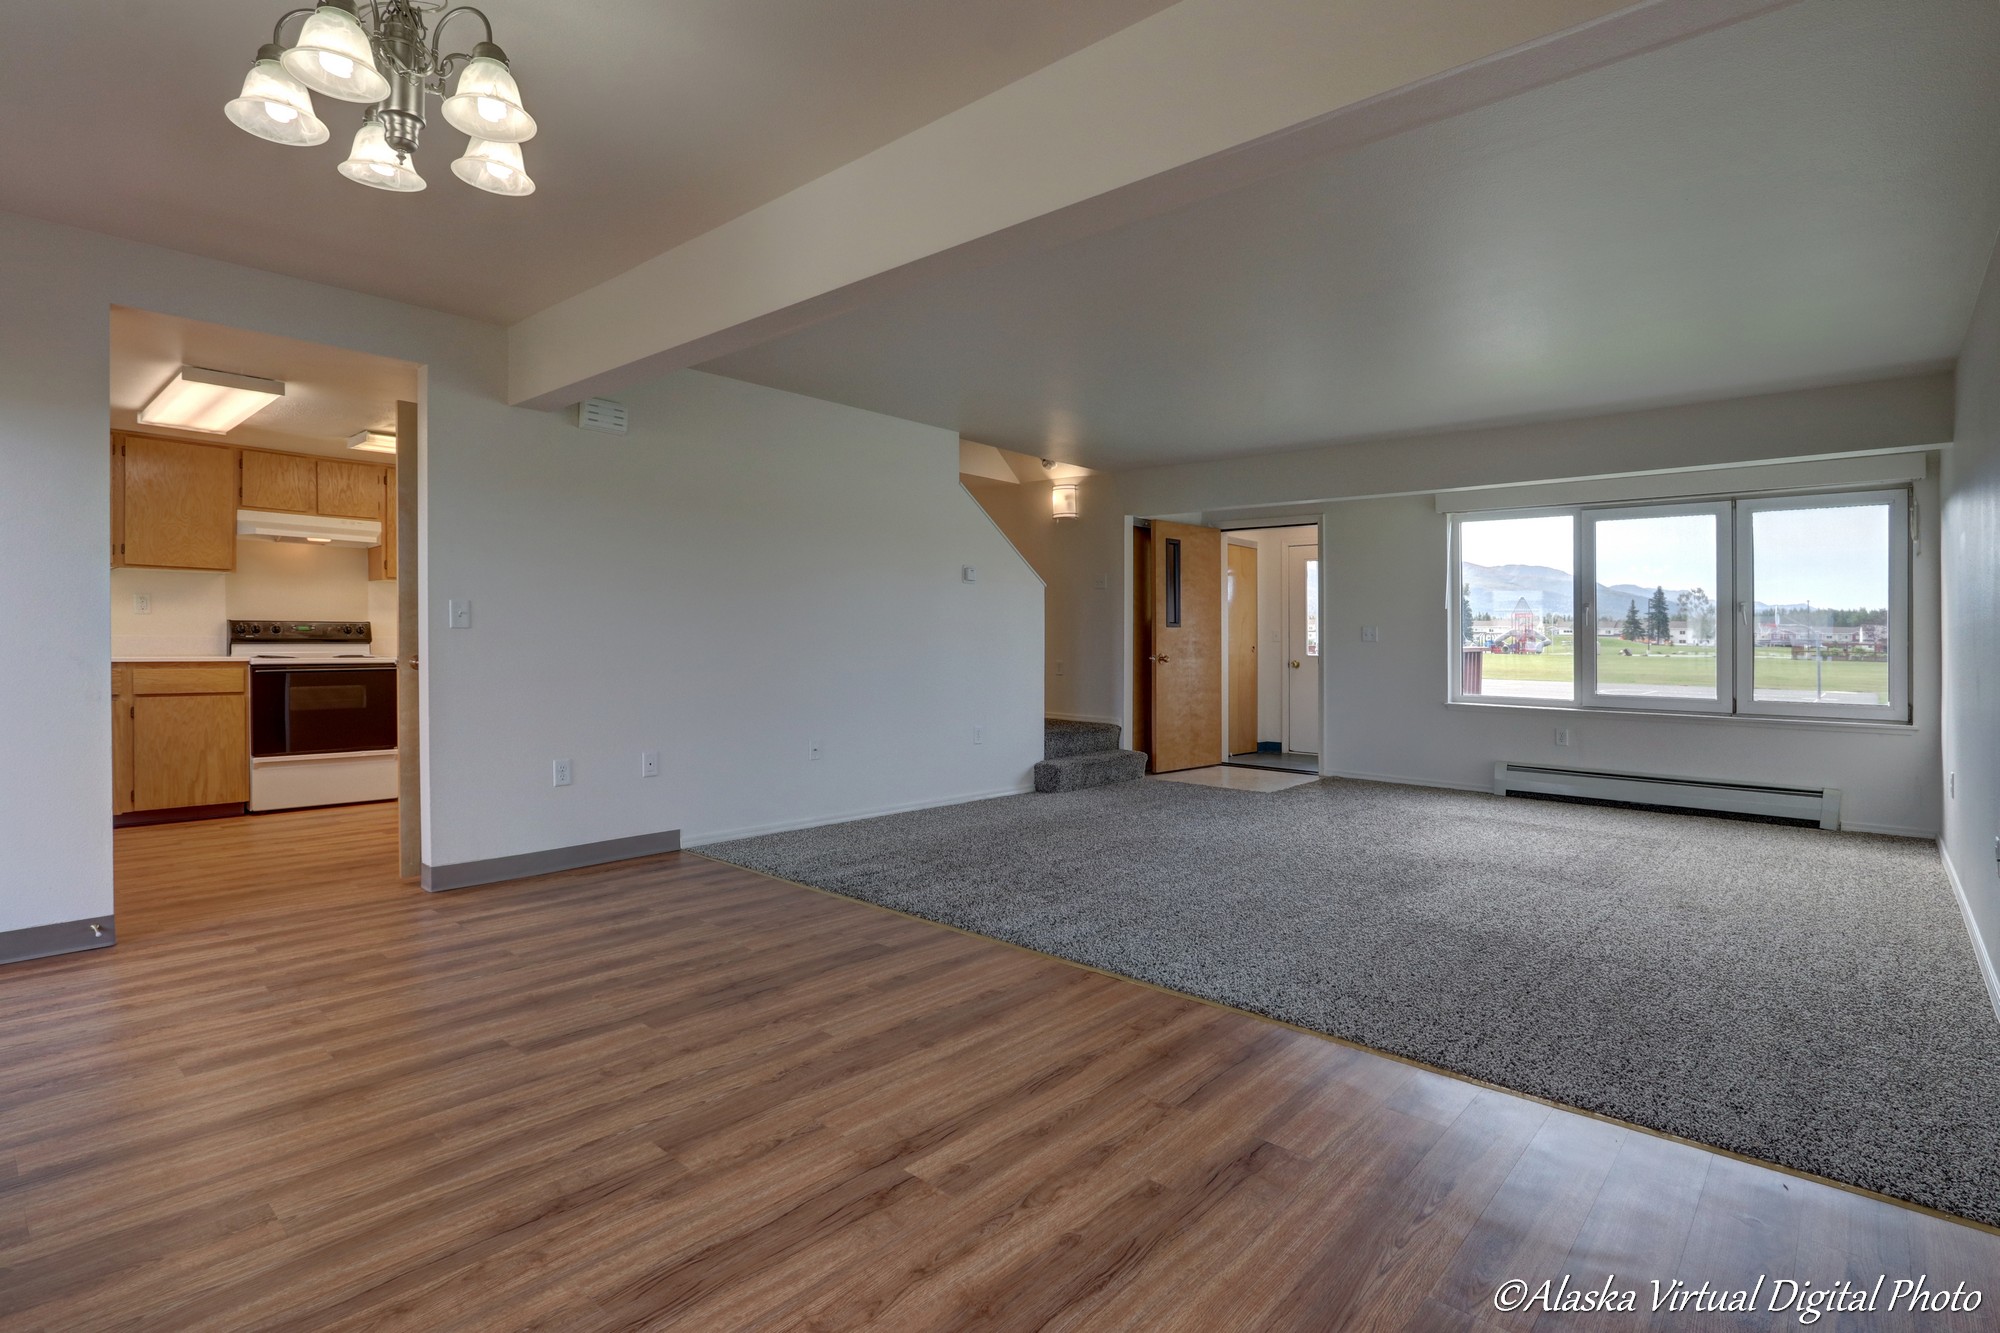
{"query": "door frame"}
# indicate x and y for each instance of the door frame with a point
(1135, 585)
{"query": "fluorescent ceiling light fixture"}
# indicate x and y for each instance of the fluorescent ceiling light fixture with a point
(372, 441)
(213, 402)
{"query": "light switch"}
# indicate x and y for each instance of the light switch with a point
(459, 613)
(970, 574)
(1102, 583)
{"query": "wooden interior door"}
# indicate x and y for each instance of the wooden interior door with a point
(1242, 598)
(1187, 646)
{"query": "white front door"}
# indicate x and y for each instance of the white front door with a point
(1302, 649)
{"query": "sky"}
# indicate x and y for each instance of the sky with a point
(1832, 557)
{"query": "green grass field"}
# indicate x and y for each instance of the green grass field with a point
(1777, 669)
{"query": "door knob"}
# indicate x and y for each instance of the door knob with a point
(1165, 658)
(1295, 664)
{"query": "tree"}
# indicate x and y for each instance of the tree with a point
(1659, 626)
(1698, 614)
(1465, 613)
(1633, 630)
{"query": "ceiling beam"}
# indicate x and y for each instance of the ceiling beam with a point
(1199, 98)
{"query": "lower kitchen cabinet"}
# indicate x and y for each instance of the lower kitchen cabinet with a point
(184, 742)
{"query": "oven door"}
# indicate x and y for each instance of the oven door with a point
(320, 709)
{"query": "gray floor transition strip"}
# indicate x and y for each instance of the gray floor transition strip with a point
(1804, 997)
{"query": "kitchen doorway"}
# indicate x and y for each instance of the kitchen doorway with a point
(1274, 647)
(263, 600)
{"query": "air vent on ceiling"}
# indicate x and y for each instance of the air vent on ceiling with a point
(601, 414)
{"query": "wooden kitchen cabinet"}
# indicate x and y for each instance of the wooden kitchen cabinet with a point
(183, 741)
(287, 483)
(382, 559)
(350, 490)
(174, 504)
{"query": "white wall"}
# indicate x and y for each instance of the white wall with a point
(190, 608)
(1971, 575)
(1384, 710)
(533, 520)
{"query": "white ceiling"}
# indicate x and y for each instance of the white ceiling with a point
(1805, 197)
(659, 120)
(330, 393)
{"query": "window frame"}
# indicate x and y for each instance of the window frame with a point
(1587, 693)
(1898, 504)
(1735, 650)
(1454, 583)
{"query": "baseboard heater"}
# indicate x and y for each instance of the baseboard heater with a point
(1805, 805)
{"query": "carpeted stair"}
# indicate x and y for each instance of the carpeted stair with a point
(1084, 754)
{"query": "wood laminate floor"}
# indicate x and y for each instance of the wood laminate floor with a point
(674, 1094)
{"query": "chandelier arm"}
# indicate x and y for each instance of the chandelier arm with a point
(278, 28)
(437, 33)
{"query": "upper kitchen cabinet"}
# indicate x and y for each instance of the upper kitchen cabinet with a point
(174, 503)
(350, 490)
(382, 559)
(288, 483)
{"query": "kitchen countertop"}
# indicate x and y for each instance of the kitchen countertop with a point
(177, 657)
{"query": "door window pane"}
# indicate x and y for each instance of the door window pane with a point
(1820, 579)
(1516, 620)
(1656, 611)
(1312, 608)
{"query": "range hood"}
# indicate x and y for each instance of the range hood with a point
(314, 528)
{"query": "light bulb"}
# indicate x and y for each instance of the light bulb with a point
(337, 65)
(492, 109)
(281, 113)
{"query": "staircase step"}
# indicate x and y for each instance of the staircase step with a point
(1062, 738)
(1096, 769)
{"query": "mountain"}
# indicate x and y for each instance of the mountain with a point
(1496, 588)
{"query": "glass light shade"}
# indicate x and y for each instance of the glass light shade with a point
(494, 167)
(487, 104)
(1062, 498)
(373, 162)
(276, 106)
(333, 57)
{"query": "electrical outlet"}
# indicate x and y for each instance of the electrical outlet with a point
(142, 604)
(1562, 735)
(969, 573)
(812, 750)
(458, 613)
(979, 735)
(1062, 667)
(565, 773)
(649, 763)
(1102, 583)
(1370, 634)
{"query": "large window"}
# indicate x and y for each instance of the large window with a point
(1795, 605)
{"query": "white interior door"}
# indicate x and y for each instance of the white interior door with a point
(1302, 649)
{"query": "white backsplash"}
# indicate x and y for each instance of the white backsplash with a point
(191, 609)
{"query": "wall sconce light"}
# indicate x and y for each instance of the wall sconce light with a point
(1062, 497)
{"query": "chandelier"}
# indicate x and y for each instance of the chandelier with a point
(392, 63)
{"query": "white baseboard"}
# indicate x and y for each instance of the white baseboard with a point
(1083, 717)
(1987, 972)
(696, 841)
(1483, 788)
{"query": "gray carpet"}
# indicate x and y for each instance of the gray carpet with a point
(1803, 997)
